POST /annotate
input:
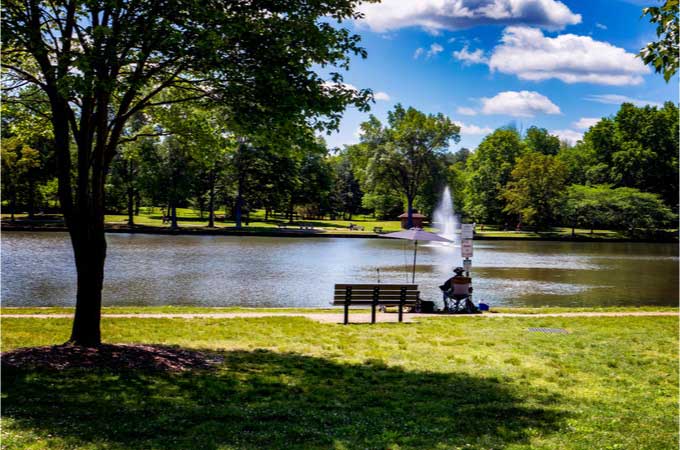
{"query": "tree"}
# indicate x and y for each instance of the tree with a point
(539, 140)
(20, 164)
(402, 153)
(587, 206)
(636, 148)
(346, 194)
(98, 63)
(536, 188)
(664, 53)
(489, 170)
(625, 209)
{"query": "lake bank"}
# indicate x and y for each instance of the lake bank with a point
(295, 231)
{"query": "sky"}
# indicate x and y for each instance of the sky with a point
(559, 65)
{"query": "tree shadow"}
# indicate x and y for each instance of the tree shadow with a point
(263, 400)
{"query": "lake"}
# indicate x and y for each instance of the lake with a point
(38, 270)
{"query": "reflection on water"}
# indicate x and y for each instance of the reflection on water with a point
(38, 270)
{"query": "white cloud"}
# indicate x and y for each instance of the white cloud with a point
(466, 111)
(615, 99)
(468, 57)
(472, 129)
(600, 26)
(530, 55)
(586, 122)
(519, 104)
(332, 85)
(433, 15)
(570, 136)
(381, 96)
(434, 50)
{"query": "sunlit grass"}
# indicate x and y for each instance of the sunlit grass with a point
(480, 383)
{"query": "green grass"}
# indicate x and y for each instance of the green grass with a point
(441, 383)
(189, 218)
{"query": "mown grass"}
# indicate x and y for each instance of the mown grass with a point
(441, 383)
(190, 218)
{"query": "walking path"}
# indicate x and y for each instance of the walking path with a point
(338, 318)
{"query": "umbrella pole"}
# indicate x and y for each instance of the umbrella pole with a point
(415, 252)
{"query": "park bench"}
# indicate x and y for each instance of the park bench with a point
(281, 225)
(354, 227)
(377, 229)
(375, 294)
(306, 226)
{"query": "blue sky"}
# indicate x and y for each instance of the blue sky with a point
(489, 63)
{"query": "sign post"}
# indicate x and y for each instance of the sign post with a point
(466, 234)
(467, 231)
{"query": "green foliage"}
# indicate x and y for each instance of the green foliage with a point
(399, 156)
(626, 209)
(663, 54)
(539, 140)
(490, 167)
(536, 188)
(637, 148)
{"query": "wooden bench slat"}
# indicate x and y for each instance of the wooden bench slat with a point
(381, 298)
(369, 302)
(409, 287)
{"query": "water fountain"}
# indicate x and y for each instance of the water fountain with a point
(445, 219)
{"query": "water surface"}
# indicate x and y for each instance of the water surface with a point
(38, 270)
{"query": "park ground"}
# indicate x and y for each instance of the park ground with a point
(151, 220)
(474, 382)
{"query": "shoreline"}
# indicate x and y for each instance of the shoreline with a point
(204, 231)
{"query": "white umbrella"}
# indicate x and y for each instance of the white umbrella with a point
(415, 235)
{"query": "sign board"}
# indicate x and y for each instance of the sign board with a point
(467, 264)
(466, 248)
(466, 231)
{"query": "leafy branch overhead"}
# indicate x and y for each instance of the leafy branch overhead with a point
(663, 54)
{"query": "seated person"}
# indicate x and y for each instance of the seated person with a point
(458, 287)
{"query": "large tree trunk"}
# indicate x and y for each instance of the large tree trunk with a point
(409, 211)
(89, 246)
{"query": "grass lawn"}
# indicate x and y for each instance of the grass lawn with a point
(441, 383)
(190, 218)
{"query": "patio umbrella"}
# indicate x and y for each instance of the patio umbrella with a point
(415, 235)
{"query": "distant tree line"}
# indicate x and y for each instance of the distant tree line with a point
(622, 175)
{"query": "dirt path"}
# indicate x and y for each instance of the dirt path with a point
(338, 318)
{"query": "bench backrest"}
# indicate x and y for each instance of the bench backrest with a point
(381, 293)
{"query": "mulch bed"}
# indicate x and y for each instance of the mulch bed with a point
(109, 356)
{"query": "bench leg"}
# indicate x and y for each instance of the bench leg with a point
(373, 313)
(401, 311)
(346, 313)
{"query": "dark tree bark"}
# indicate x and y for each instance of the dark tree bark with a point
(211, 202)
(173, 215)
(409, 211)
(31, 199)
(131, 206)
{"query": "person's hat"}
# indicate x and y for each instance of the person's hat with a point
(459, 270)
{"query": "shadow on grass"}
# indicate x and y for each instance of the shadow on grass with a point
(263, 400)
